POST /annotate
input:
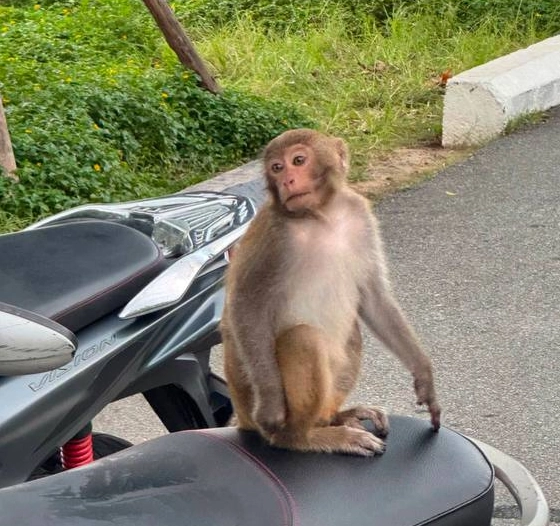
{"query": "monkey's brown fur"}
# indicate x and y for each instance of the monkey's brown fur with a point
(309, 267)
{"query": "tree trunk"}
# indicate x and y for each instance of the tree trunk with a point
(7, 159)
(179, 42)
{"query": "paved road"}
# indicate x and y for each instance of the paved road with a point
(475, 262)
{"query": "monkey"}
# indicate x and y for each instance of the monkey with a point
(308, 270)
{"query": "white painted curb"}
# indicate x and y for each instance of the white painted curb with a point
(480, 102)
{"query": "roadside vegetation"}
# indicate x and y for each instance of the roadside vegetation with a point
(99, 108)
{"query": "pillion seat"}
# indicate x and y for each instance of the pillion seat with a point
(219, 477)
(75, 273)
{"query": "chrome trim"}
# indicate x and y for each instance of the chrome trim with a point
(179, 223)
(30, 343)
(171, 285)
(195, 228)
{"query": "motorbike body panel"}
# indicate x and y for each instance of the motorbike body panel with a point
(224, 476)
(115, 357)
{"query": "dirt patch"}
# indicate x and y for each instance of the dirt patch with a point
(404, 167)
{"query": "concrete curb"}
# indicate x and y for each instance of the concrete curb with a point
(480, 102)
(243, 174)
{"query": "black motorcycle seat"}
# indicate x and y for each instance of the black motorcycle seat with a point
(75, 273)
(222, 477)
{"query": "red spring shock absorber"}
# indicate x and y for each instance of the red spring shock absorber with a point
(78, 450)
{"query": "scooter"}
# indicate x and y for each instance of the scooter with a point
(66, 358)
(136, 291)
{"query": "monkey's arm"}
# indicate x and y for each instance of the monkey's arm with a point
(249, 336)
(383, 316)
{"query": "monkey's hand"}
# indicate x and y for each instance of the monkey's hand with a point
(426, 394)
(270, 413)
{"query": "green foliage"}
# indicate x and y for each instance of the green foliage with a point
(542, 15)
(379, 91)
(94, 116)
(357, 15)
(99, 109)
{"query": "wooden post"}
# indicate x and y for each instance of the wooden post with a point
(7, 159)
(179, 42)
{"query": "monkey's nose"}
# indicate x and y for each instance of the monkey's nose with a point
(289, 181)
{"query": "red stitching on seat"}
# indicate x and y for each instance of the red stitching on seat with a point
(91, 299)
(287, 501)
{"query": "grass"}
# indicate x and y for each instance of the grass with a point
(99, 109)
(379, 91)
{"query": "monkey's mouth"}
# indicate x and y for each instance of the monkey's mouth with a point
(296, 196)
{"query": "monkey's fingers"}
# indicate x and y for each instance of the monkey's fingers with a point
(435, 412)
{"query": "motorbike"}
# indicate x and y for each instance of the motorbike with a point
(137, 290)
(102, 302)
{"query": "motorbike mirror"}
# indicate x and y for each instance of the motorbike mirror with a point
(31, 343)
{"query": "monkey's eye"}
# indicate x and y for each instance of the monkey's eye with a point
(298, 160)
(276, 167)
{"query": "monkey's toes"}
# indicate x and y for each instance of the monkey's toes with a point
(364, 443)
(373, 419)
(377, 416)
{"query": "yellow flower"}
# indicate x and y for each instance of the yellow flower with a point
(96, 167)
(37, 7)
(95, 127)
(66, 11)
(164, 95)
(28, 130)
(186, 75)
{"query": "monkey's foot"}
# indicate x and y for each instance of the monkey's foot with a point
(353, 418)
(345, 439)
(331, 439)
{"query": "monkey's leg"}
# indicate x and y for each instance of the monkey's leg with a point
(312, 400)
(345, 381)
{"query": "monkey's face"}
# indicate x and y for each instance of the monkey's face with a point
(294, 178)
(303, 169)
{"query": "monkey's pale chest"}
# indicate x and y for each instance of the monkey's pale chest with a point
(323, 287)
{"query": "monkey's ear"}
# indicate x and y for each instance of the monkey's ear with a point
(343, 152)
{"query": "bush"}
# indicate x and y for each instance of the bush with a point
(77, 143)
(283, 15)
(92, 120)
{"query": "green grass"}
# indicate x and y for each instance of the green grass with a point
(378, 91)
(100, 110)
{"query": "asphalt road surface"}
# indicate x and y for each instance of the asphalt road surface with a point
(475, 262)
